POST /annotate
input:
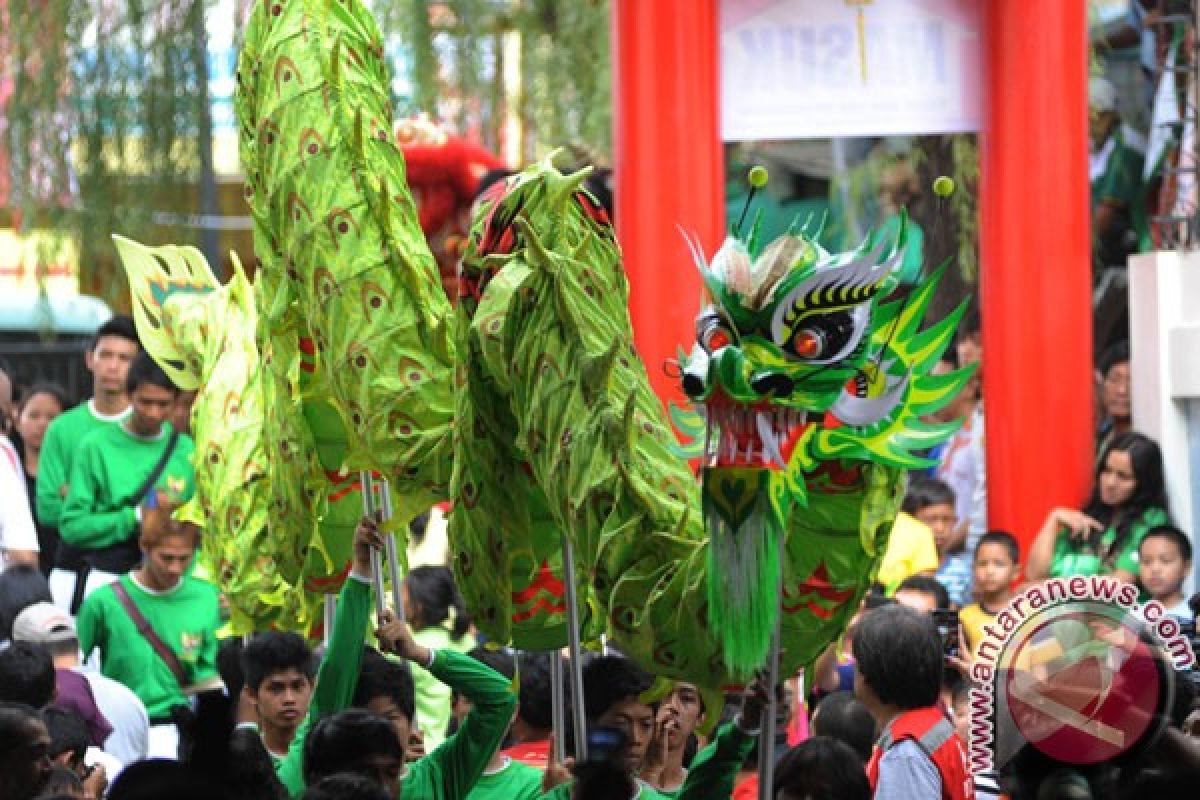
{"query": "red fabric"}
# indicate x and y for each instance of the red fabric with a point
(950, 758)
(533, 754)
(746, 790)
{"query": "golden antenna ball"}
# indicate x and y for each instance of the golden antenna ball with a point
(943, 186)
(758, 177)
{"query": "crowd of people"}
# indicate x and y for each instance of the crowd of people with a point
(117, 675)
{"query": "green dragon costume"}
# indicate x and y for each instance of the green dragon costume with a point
(527, 404)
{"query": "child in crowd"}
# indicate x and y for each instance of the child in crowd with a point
(997, 563)
(931, 501)
(1164, 562)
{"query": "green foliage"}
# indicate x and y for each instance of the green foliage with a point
(103, 121)
(456, 58)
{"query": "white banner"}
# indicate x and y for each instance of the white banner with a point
(799, 69)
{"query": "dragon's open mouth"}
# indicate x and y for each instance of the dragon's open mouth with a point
(761, 436)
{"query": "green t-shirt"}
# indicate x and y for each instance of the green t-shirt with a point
(711, 775)
(186, 618)
(110, 465)
(433, 696)
(513, 781)
(58, 449)
(1070, 557)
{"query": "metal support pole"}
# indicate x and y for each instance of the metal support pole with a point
(389, 545)
(576, 651)
(368, 493)
(330, 607)
(558, 710)
(766, 739)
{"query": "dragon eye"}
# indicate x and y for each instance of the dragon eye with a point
(716, 338)
(808, 343)
(822, 336)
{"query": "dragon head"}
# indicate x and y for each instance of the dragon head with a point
(802, 366)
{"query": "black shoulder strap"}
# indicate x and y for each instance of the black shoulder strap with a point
(148, 633)
(157, 472)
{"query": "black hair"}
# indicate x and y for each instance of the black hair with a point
(68, 733)
(156, 778)
(26, 674)
(44, 387)
(499, 660)
(120, 325)
(534, 704)
(1117, 353)
(924, 491)
(608, 680)
(380, 677)
(337, 743)
(21, 585)
(345, 786)
(229, 665)
(842, 716)
(14, 718)
(822, 767)
(249, 773)
(1149, 492)
(929, 585)
(1171, 533)
(145, 371)
(275, 651)
(434, 593)
(61, 782)
(899, 656)
(1005, 540)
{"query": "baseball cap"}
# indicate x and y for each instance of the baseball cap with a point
(43, 623)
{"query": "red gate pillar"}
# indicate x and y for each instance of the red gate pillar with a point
(1036, 274)
(668, 164)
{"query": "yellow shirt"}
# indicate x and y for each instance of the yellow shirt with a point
(910, 550)
(973, 618)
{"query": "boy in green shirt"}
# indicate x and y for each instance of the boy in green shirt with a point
(112, 351)
(113, 479)
(182, 611)
(503, 778)
(382, 692)
(613, 689)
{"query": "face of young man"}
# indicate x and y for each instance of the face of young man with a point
(24, 770)
(109, 362)
(152, 405)
(167, 562)
(686, 707)
(386, 707)
(636, 720)
(282, 699)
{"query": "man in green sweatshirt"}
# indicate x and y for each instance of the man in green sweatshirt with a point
(182, 612)
(383, 691)
(112, 351)
(118, 471)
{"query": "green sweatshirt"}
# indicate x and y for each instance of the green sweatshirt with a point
(451, 770)
(336, 678)
(110, 465)
(711, 775)
(58, 449)
(186, 618)
(513, 781)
